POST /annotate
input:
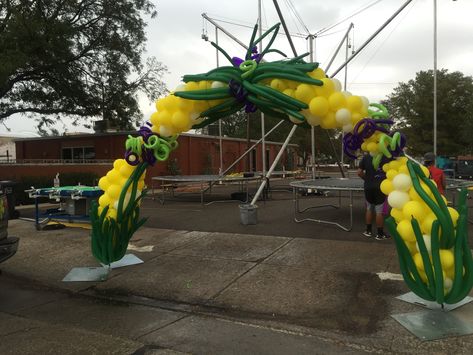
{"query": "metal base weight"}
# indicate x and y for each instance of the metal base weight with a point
(435, 322)
(432, 325)
(84, 274)
(127, 260)
(99, 273)
(411, 297)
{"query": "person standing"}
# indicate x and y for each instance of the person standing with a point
(436, 174)
(375, 199)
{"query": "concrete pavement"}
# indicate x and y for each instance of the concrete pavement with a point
(208, 293)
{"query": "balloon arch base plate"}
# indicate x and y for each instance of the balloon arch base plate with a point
(100, 273)
(436, 322)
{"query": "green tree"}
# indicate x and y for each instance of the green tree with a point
(80, 59)
(411, 106)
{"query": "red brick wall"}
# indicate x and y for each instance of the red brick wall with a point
(195, 155)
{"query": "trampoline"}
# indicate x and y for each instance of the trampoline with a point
(171, 182)
(340, 185)
(77, 202)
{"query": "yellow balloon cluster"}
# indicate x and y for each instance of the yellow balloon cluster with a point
(112, 185)
(175, 115)
(371, 144)
(407, 204)
(329, 107)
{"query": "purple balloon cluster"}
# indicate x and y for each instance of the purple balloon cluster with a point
(365, 129)
(240, 93)
(256, 56)
(146, 154)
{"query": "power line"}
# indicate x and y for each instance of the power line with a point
(348, 17)
(293, 9)
(300, 35)
(385, 40)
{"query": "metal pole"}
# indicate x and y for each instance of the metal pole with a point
(372, 37)
(345, 89)
(275, 162)
(263, 143)
(220, 140)
(288, 35)
(336, 153)
(339, 46)
(204, 15)
(251, 148)
(435, 77)
(247, 151)
(312, 128)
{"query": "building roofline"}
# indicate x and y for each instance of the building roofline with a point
(124, 133)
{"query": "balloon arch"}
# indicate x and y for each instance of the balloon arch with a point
(431, 238)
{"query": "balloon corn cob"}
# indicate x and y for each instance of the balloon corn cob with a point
(288, 89)
(431, 238)
(115, 217)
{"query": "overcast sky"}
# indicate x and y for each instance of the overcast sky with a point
(403, 48)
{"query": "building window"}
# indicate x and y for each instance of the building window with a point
(66, 154)
(77, 154)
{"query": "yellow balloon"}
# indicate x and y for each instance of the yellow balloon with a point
(412, 246)
(184, 104)
(126, 170)
(161, 104)
(290, 92)
(403, 169)
(104, 184)
(404, 228)
(363, 146)
(154, 118)
(191, 86)
(354, 103)
(372, 147)
(180, 121)
(413, 209)
(328, 121)
(426, 226)
(395, 164)
(326, 89)
(278, 84)
(391, 173)
(204, 85)
(318, 106)
(386, 186)
(317, 74)
(446, 259)
(112, 213)
(114, 191)
(453, 214)
(356, 117)
(171, 103)
(118, 163)
(291, 84)
(397, 214)
(165, 118)
(305, 93)
(425, 170)
(386, 167)
(141, 184)
(113, 176)
(104, 200)
(418, 261)
(336, 101)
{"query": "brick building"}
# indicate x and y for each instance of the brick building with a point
(197, 154)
